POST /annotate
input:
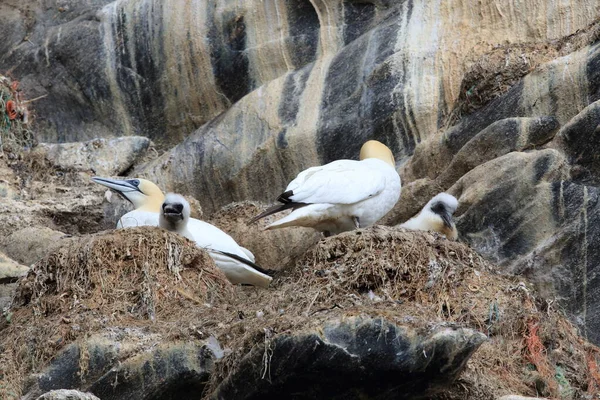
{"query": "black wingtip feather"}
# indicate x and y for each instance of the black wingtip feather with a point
(247, 262)
(270, 211)
(285, 197)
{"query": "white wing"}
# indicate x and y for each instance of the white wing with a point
(249, 254)
(339, 182)
(207, 235)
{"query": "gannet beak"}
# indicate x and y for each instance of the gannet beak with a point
(119, 185)
(445, 214)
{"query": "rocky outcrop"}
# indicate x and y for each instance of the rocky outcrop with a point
(524, 172)
(148, 369)
(64, 394)
(104, 157)
(164, 69)
(30, 244)
(371, 358)
(128, 363)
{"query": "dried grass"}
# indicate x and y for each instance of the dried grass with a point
(414, 279)
(132, 277)
(421, 280)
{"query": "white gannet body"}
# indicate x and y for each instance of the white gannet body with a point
(235, 261)
(436, 216)
(342, 195)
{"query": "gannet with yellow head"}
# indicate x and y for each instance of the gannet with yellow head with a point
(342, 195)
(145, 196)
(436, 216)
(148, 199)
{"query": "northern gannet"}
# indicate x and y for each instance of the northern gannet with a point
(342, 195)
(234, 260)
(436, 216)
(145, 196)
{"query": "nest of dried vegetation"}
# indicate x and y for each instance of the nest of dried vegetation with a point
(147, 277)
(143, 277)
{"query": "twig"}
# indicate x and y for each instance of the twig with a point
(36, 99)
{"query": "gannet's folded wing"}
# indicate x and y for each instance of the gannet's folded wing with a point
(339, 182)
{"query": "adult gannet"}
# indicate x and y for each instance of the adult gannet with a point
(229, 257)
(145, 196)
(234, 260)
(436, 216)
(342, 195)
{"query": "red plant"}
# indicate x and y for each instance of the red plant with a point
(593, 373)
(11, 109)
(536, 354)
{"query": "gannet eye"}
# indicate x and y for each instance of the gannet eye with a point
(135, 182)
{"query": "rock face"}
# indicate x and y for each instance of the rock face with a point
(28, 245)
(530, 210)
(104, 157)
(181, 371)
(379, 358)
(157, 372)
(64, 394)
(164, 69)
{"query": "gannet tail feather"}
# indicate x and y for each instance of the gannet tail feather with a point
(277, 208)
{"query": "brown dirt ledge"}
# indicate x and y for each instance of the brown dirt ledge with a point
(151, 279)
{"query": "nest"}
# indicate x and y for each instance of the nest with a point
(423, 281)
(154, 279)
(14, 117)
(142, 277)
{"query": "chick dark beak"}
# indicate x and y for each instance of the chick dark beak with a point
(173, 211)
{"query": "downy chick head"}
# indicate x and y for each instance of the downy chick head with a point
(443, 206)
(436, 216)
(174, 213)
(376, 149)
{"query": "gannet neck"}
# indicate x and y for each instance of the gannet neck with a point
(376, 149)
(152, 198)
(152, 204)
